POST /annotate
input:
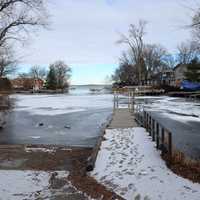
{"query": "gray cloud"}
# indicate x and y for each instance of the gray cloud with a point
(87, 30)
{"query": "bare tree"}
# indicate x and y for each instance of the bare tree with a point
(154, 58)
(19, 17)
(126, 73)
(135, 41)
(38, 72)
(8, 64)
(187, 51)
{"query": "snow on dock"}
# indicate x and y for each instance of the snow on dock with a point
(129, 164)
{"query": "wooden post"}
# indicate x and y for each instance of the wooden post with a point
(133, 104)
(157, 136)
(150, 125)
(128, 100)
(153, 130)
(144, 121)
(162, 140)
(147, 127)
(170, 144)
(163, 136)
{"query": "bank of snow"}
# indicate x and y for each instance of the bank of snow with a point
(129, 164)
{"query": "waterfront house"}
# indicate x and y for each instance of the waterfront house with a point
(179, 72)
(165, 77)
(168, 77)
(27, 84)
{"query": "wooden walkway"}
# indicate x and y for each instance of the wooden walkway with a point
(122, 118)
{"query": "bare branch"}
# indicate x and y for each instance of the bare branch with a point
(19, 17)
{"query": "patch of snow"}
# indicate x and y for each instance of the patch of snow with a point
(32, 149)
(129, 164)
(32, 185)
(18, 185)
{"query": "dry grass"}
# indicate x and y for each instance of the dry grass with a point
(73, 160)
(183, 166)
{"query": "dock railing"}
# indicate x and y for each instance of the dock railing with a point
(122, 95)
(161, 135)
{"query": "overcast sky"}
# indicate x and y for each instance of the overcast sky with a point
(83, 33)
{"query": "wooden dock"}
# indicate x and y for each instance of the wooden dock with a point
(122, 118)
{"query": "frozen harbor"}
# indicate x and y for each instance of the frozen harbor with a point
(65, 119)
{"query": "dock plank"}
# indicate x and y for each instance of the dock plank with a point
(122, 118)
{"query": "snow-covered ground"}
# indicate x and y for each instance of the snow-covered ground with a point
(175, 108)
(129, 164)
(31, 185)
(61, 103)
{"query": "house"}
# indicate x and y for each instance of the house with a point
(166, 77)
(38, 84)
(27, 84)
(179, 72)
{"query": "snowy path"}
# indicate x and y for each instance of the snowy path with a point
(129, 164)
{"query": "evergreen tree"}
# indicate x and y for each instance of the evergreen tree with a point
(51, 82)
(193, 71)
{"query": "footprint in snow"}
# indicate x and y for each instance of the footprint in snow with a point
(131, 186)
(124, 190)
(103, 178)
(121, 162)
(187, 188)
(130, 173)
(153, 177)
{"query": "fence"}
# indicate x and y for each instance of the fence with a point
(161, 135)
